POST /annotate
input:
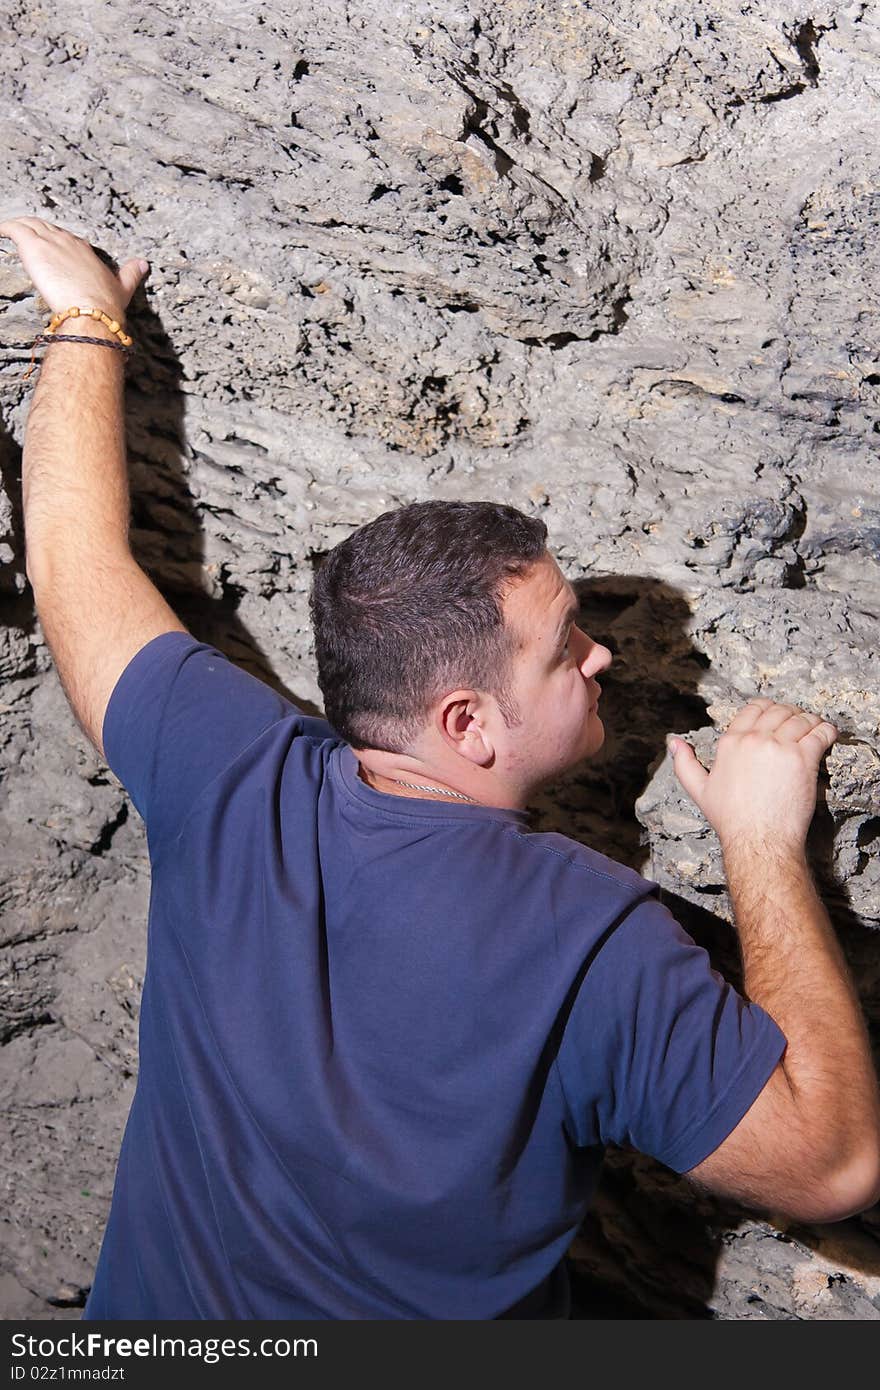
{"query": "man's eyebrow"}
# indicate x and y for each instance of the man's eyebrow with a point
(571, 612)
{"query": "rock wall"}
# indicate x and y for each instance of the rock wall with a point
(619, 268)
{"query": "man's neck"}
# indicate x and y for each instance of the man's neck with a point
(381, 783)
(386, 782)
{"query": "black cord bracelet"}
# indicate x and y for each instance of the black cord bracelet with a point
(81, 338)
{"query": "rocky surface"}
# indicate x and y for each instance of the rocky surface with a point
(619, 268)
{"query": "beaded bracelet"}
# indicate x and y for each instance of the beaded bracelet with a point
(51, 335)
(75, 312)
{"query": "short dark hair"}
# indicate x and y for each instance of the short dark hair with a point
(409, 606)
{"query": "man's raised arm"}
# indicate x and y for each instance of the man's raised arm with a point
(810, 1144)
(96, 606)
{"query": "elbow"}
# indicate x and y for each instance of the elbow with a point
(35, 570)
(29, 567)
(857, 1185)
(845, 1190)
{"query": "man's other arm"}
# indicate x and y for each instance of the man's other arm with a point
(809, 1146)
(96, 606)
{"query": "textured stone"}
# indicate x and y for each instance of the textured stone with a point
(619, 269)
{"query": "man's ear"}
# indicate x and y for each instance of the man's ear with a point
(462, 723)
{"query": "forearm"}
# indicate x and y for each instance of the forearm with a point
(74, 476)
(794, 968)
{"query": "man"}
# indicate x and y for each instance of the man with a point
(386, 1031)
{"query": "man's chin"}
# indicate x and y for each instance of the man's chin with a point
(595, 733)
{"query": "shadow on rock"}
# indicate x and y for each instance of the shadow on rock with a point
(649, 690)
(16, 599)
(166, 535)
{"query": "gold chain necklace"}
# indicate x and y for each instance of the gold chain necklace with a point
(441, 790)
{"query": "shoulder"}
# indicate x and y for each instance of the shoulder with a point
(182, 716)
(582, 894)
(573, 862)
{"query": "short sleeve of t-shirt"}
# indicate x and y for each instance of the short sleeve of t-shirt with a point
(660, 1051)
(179, 715)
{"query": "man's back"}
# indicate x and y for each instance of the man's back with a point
(383, 1039)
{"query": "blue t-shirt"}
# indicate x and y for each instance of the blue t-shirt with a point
(383, 1040)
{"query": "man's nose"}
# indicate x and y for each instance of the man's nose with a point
(596, 658)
